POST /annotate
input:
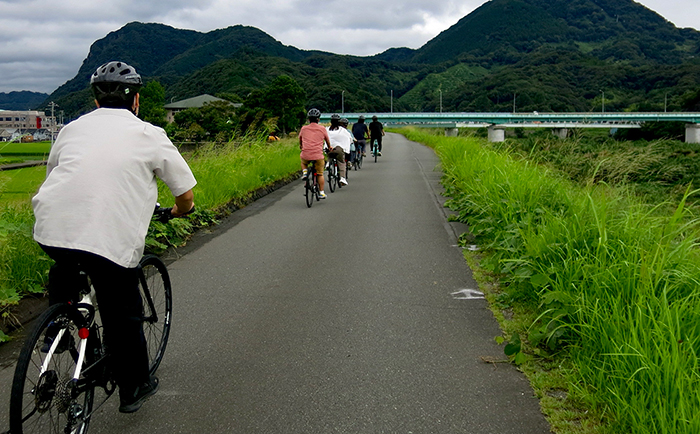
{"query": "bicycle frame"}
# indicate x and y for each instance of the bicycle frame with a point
(85, 320)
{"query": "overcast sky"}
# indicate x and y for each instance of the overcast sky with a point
(43, 42)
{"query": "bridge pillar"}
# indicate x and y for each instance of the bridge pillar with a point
(562, 133)
(497, 134)
(692, 133)
(451, 132)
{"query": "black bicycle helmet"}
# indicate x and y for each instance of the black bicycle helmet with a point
(361, 118)
(314, 113)
(335, 116)
(344, 122)
(115, 84)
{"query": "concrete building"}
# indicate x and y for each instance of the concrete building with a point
(24, 120)
(15, 124)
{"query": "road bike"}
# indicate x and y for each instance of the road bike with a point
(55, 381)
(375, 149)
(311, 190)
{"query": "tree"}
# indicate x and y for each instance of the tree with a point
(151, 101)
(283, 99)
(215, 119)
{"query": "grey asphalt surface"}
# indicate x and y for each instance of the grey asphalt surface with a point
(341, 318)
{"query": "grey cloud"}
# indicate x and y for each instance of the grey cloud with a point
(43, 76)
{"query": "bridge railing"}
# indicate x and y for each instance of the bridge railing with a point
(559, 122)
(513, 118)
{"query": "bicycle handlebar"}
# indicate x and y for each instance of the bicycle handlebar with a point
(164, 215)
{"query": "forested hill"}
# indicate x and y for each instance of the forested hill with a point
(23, 100)
(554, 54)
(617, 30)
(160, 50)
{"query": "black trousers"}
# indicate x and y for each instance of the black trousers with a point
(120, 306)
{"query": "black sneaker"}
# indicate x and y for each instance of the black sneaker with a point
(140, 395)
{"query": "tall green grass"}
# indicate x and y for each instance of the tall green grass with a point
(232, 172)
(613, 280)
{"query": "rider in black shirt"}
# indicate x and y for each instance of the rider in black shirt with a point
(376, 131)
(361, 133)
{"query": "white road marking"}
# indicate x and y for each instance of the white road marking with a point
(468, 294)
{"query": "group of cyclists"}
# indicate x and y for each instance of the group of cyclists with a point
(337, 142)
(95, 205)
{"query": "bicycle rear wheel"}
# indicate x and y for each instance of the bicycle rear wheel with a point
(49, 400)
(332, 175)
(309, 190)
(157, 298)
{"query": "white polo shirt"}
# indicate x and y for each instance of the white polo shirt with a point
(100, 188)
(340, 137)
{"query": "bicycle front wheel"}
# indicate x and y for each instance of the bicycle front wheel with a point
(45, 398)
(157, 299)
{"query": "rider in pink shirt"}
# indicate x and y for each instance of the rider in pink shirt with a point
(311, 142)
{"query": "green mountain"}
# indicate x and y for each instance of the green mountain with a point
(541, 54)
(615, 30)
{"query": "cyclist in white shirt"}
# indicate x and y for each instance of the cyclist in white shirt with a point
(340, 145)
(94, 208)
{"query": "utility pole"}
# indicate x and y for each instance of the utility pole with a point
(53, 120)
(440, 90)
(392, 101)
(514, 102)
(665, 102)
(603, 92)
(342, 102)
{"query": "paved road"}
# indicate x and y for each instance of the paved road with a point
(336, 319)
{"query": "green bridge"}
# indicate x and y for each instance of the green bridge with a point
(560, 123)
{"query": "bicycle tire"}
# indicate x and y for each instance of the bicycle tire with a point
(154, 281)
(332, 179)
(44, 403)
(309, 190)
(359, 161)
(375, 150)
(317, 190)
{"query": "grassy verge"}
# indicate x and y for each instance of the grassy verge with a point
(596, 288)
(17, 186)
(227, 176)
